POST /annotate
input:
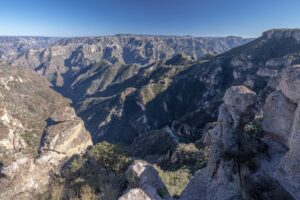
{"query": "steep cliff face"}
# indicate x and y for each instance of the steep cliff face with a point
(26, 102)
(264, 168)
(38, 132)
(222, 178)
(283, 133)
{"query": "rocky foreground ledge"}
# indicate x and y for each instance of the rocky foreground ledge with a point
(241, 165)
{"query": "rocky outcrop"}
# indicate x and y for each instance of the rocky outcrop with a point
(11, 130)
(26, 101)
(242, 168)
(283, 33)
(282, 124)
(38, 132)
(221, 179)
(65, 137)
(289, 83)
(135, 194)
(144, 183)
(278, 117)
(28, 177)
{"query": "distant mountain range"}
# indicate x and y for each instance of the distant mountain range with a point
(57, 58)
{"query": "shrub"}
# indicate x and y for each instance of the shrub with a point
(113, 158)
(87, 193)
(98, 173)
(175, 180)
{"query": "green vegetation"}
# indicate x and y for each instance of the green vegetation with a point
(253, 131)
(32, 140)
(185, 161)
(113, 158)
(100, 172)
(151, 90)
(188, 156)
(159, 80)
(175, 181)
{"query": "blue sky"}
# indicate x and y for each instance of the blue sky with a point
(246, 18)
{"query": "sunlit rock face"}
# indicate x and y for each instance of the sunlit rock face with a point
(38, 132)
(283, 33)
(144, 183)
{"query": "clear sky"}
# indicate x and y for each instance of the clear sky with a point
(246, 18)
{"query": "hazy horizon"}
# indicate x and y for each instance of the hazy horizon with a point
(124, 34)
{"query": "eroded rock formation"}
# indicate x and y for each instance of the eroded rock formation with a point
(264, 168)
(221, 179)
(27, 177)
(144, 183)
(38, 130)
(281, 122)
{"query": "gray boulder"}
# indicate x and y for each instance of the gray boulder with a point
(278, 117)
(135, 194)
(289, 83)
(282, 124)
(144, 183)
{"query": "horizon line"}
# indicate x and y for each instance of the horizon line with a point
(131, 34)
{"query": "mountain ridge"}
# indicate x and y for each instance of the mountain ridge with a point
(60, 57)
(226, 103)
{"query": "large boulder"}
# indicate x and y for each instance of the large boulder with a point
(289, 83)
(135, 194)
(240, 98)
(140, 173)
(144, 181)
(239, 101)
(278, 117)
